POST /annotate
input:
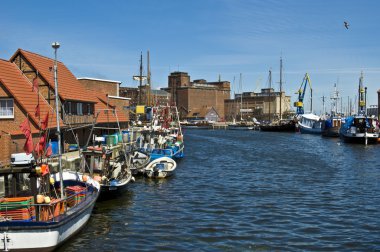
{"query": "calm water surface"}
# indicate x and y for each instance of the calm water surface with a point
(248, 191)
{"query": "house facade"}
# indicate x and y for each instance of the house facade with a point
(27, 82)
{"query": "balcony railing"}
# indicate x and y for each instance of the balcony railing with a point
(78, 119)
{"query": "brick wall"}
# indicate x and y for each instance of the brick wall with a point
(106, 87)
(120, 104)
(15, 143)
(190, 98)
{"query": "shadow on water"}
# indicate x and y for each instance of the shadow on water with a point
(248, 191)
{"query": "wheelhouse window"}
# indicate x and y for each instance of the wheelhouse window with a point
(6, 108)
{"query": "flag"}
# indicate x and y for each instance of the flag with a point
(37, 111)
(25, 128)
(40, 146)
(28, 147)
(49, 151)
(35, 84)
(45, 122)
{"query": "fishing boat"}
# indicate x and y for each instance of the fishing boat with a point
(174, 151)
(39, 209)
(310, 124)
(112, 174)
(279, 126)
(331, 126)
(138, 160)
(34, 216)
(164, 138)
(360, 128)
(160, 168)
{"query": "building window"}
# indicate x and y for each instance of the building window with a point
(90, 109)
(79, 108)
(68, 108)
(6, 108)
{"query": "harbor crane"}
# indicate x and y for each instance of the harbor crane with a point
(301, 94)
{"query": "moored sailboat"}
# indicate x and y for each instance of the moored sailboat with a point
(281, 125)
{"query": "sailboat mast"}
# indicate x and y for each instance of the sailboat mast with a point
(55, 46)
(281, 88)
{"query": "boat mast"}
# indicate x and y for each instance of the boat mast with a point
(141, 69)
(234, 104)
(241, 97)
(55, 46)
(270, 90)
(148, 79)
(280, 88)
(361, 99)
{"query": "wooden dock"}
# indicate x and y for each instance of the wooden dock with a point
(220, 125)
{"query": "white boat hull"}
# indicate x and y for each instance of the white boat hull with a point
(153, 170)
(310, 124)
(47, 235)
(44, 237)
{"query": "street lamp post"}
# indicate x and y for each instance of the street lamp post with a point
(55, 46)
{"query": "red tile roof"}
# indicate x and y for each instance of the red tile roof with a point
(104, 117)
(21, 90)
(69, 87)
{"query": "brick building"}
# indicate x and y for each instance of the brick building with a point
(107, 91)
(18, 101)
(110, 87)
(262, 106)
(188, 95)
(130, 92)
(160, 97)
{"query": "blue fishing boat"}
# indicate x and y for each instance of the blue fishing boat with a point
(174, 151)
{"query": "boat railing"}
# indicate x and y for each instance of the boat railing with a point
(24, 208)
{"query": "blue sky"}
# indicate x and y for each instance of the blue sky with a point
(207, 38)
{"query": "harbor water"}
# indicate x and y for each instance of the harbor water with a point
(248, 191)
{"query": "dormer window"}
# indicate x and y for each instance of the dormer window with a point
(6, 108)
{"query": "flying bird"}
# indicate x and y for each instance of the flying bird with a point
(346, 24)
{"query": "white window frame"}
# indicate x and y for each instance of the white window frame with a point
(5, 109)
